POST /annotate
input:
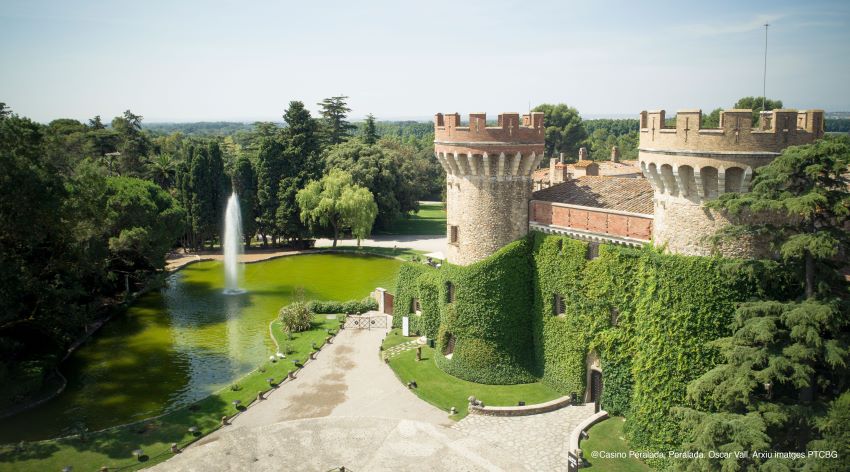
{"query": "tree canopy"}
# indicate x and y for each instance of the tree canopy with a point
(337, 202)
(564, 130)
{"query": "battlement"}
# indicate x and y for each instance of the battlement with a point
(509, 129)
(776, 130)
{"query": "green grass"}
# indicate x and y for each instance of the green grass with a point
(431, 219)
(445, 391)
(608, 436)
(403, 254)
(113, 447)
(394, 338)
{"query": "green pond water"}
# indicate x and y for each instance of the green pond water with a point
(177, 345)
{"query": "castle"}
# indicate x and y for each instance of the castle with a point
(491, 177)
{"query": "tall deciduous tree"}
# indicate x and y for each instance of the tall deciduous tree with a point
(335, 128)
(336, 202)
(755, 103)
(378, 169)
(564, 130)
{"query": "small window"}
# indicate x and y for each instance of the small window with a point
(558, 305)
(450, 292)
(592, 250)
(453, 237)
(415, 307)
(560, 247)
(615, 316)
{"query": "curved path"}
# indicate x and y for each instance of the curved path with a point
(427, 243)
(347, 408)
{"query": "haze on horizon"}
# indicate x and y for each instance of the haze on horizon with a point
(217, 60)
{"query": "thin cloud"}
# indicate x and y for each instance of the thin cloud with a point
(720, 29)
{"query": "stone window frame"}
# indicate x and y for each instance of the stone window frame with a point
(559, 306)
(454, 234)
(450, 292)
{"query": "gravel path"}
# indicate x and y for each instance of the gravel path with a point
(347, 408)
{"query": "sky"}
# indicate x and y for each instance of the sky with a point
(246, 60)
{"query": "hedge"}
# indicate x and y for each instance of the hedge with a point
(647, 315)
(350, 306)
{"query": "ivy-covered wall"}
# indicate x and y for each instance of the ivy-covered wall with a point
(647, 315)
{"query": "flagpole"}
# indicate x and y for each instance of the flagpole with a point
(764, 77)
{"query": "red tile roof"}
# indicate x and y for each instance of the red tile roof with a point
(612, 193)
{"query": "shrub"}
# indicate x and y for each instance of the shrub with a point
(350, 306)
(296, 317)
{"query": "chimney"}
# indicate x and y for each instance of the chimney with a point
(615, 154)
(562, 158)
(582, 153)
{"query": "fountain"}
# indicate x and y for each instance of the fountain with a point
(232, 246)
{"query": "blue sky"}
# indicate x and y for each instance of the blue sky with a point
(231, 60)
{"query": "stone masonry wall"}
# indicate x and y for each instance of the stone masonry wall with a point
(487, 215)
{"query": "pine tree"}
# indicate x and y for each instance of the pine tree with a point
(269, 172)
(370, 134)
(335, 128)
(784, 361)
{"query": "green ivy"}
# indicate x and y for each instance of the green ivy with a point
(647, 315)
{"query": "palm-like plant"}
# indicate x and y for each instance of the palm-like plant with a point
(161, 169)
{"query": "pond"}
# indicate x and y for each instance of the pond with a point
(179, 344)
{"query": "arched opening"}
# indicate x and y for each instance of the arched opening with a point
(734, 179)
(669, 179)
(655, 178)
(709, 181)
(686, 176)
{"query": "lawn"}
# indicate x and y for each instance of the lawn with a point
(608, 436)
(401, 253)
(430, 220)
(113, 447)
(394, 338)
(445, 391)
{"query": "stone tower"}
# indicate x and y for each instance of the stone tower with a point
(488, 179)
(688, 165)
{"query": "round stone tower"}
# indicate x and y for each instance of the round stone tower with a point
(688, 165)
(488, 179)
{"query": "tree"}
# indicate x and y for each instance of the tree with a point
(378, 169)
(755, 104)
(338, 203)
(209, 192)
(712, 120)
(96, 123)
(784, 361)
(132, 144)
(370, 134)
(564, 130)
(335, 128)
(142, 222)
(161, 169)
(807, 188)
(269, 173)
(244, 183)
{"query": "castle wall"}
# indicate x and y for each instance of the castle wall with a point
(486, 214)
(488, 180)
(688, 166)
(620, 227)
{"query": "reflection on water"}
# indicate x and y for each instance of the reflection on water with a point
(187, 340)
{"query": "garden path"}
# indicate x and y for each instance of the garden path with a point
(347, 408)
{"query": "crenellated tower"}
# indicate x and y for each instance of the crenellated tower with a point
(488, 179)
(688, 165)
